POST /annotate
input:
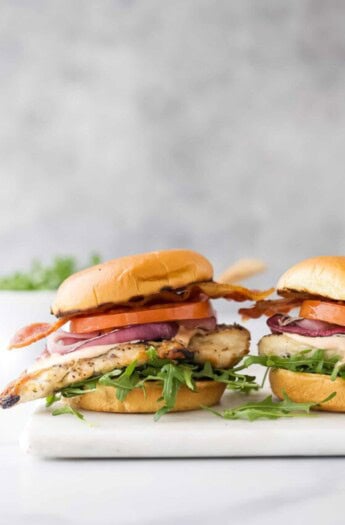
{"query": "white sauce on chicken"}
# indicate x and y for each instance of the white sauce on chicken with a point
(58, 359)
(333, 342)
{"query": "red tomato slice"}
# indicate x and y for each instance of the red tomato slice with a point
(153, 314)
(323, 311)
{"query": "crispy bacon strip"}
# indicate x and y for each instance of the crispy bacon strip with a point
(271, 307)
(211, 289)
(34, 332)
(232, 291)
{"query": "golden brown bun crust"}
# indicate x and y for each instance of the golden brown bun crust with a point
(103, 399)
(303, 388)
(119, 280)
(322, 276)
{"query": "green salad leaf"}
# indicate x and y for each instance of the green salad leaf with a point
(44, 277)
(171, 374)
(269, 409)
(310, 361)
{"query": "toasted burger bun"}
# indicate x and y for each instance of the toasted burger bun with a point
(323, 276)
(103, 399)
(304, 388)
(119, 280)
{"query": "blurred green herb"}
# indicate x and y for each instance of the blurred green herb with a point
(42, 277)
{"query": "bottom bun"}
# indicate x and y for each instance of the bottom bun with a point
(104, 399)
(307, 388)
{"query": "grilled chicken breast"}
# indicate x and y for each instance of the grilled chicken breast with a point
(222, 347)
(280, 345)
(286, 345)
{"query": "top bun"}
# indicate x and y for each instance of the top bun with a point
(119, 280)
(323, 276)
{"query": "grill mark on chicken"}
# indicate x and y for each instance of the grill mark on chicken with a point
(9, 401)
(222, 347)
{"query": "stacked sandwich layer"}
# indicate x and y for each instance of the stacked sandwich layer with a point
(143, 336)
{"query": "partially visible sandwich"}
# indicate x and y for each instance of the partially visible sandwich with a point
(306, 352)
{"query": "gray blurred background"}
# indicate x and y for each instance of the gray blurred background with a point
(129, 125)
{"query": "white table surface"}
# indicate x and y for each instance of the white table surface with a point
(164, 492)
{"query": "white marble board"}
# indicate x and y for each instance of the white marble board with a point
(189, 434)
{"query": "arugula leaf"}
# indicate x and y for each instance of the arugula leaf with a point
(188, 378)
(52, 398)
(309, 361)
(82, 387)
(172, 378)
(40, 277)
(269, 409)
(234, 380)
(161, 412)
(171, 374)
(66, 409)
(154, 360)
(127, 380)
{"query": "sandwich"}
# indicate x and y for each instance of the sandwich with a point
(305, 352)
(136, 334)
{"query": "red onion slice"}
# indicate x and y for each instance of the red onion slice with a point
(307, 327)
(62, 342)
